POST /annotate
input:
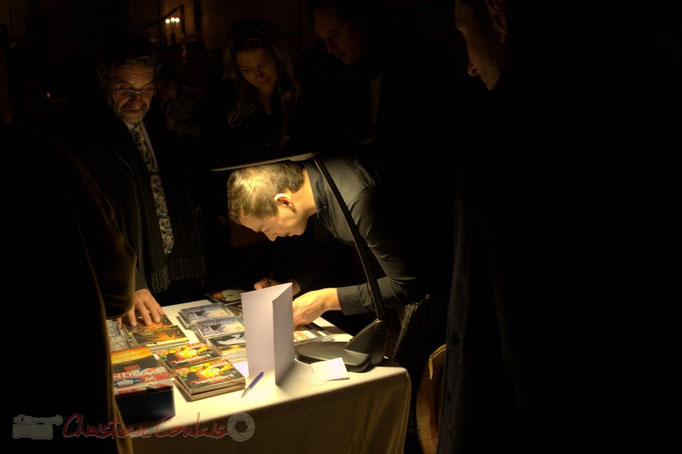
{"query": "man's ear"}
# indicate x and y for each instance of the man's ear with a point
(284, 199)
(498, 17)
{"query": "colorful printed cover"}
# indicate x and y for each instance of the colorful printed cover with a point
(191, 316)
(207, 376)
(134, 358)
(136, 370)
(187, 355)
(142, 380)
(141, 327)
(220, 327)
(162, 338)
(232, 347)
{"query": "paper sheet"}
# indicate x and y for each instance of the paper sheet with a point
(268, 319)
(331, 369)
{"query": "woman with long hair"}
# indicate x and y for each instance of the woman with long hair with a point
(261, 71)
(249, 116)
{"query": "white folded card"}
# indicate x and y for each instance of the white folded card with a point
(269, 323)
(331, 369)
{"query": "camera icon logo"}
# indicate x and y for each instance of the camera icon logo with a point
(234, 428)
(35, 428)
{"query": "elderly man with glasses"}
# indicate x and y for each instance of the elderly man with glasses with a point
(129, 151)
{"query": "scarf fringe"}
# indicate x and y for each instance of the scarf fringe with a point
(177, 270)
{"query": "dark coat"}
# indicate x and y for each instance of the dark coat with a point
(72, 270)
(106, 148)
(523, 291)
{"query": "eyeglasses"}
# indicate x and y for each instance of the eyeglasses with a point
(129, 93)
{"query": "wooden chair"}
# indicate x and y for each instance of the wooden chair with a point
(429, 398)
(414, 332)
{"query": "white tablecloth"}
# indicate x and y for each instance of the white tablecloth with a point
(366, 413)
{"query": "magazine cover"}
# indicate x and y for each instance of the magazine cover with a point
(187, 355)
(135, 358)
(191, 316)
(112, 329)
(220, 327)
(142, 385)
(167, 337)
(228, 340)
(117, 343)
(141, 327)
(142, 380)
(232, 347)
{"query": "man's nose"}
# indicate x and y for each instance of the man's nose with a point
(471, 69)
(136, 100)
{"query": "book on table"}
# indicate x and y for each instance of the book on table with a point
(209, 379)
(212, 328)
(118, 339)
(143, 387)
(164, 322)
(157, 336)
(187, 355)
(230, 299)
(112, 329)
(190, 317)
(231, 346)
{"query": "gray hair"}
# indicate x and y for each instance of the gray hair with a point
(251, 191)
(124, 51)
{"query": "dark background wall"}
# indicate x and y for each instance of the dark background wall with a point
(80, 25)
(47, 42)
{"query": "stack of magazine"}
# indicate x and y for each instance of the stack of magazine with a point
(200, 371)
(220, 327)
(226, 333)
(219, 324)
(190, 317)
(156, 336)
(209, 379)
(231, 346)
(187, 355)
(118, 339)
(142, 386)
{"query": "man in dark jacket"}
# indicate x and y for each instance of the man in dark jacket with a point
(514, 374)
(129, 152)
(74, 271)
